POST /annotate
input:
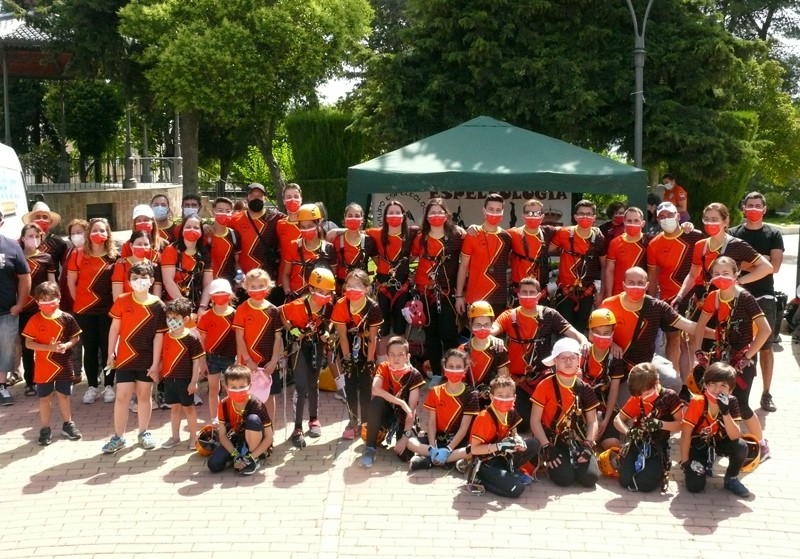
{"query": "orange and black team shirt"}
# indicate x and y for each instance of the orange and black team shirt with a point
(739, 329)
(673, 258)
(704, 257)
(260, 326)
(451, 408)
(557, 401)
(484, 363)
(218, 331)
(438, 261)
(579, 257)
(657, 315)
(529, 256)
(122, 270)
(599, 369)
(357, 322)
(666, 405)
(351, 257)
(178, 354)
(402, 386)
(626, 254)
(487, 279)
(224, 248)
(93, 290)
(234, 420)
(40, 264)
(488, 427)
(527, 334)
(298, 313)
(138, 326)
(704, 425)
(394, 254)
(288, 232)
(188, 266)
(256, 253)
(61, 327)
(303, 261)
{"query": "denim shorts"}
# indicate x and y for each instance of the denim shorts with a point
(217, 363)
(9, 332)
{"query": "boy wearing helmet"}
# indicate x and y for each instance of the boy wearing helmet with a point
(604, 373)
(487, 359)
(308, 252)
(307, 320)
(648, 418)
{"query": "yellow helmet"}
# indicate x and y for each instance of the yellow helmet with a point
(480, 308)
(601, 317)
(207, 440)
(322, 278)
(608, 462)
(309, 212)
(753, 453)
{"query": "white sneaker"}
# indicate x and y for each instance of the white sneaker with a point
(198, 401)
(108, 394)
(133, 406)
(91, 395)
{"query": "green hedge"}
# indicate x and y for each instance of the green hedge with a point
(331, 192)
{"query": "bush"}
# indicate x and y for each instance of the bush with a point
(776, 202)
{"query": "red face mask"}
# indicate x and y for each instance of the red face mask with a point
(753, 214)
(309, 234)
(43, 224)
(98, 237)
(192, 235)
(618, 220)
(533, 222)
(602, 342)
(140, 252)
(711, 397)
(258, 294)
(48, 306)
(492, 219)
(292, 205)
(633, 230)
(712, 229)
(401, 372)
(584, 222)
(353, 223)
(454, 375)
(481, 333)
(651, 397)
(145, 226)
(321, 299)
(722, 282)
(635, 292)
(220, 299)
(394, 220)
(503, 405)
(239, 395)
(223, 219)
(528, 302)
(354, 294)
(437, 220)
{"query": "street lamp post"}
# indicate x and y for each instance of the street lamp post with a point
(638, 64)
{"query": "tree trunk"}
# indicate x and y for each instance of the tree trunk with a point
(190, 140)
(265, 147)
(98, 169)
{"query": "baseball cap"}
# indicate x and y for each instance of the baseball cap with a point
(258, 186)
(143, 210)
(564, 345)
(220, 285)
(666, 207)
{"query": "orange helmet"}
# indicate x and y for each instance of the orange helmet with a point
(322, 278)
(695, 380)
(207, 440)
(753, 453)
(608, 462)
(381, 433)
(309, 212)
(480, 308)
(601, 317)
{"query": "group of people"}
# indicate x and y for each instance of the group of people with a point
(256, 295)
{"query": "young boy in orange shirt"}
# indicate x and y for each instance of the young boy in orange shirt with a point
(51, 334)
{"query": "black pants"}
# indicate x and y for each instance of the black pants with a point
(736, 451)
(655, 468)
(576, 313)
(565, 474)
(221, 458)
(497, 478)
(306, 387)
(94, 338)
(744, 382)
(524, 408)
(441, 332)
(393, 321)
(358, 387)
(382, 415)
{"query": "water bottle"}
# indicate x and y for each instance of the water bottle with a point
(238, 278)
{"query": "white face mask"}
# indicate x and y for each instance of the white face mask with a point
(31, 244)
(77, 240)
(668, 224)
(668, 185)
(190, 212)
(140, 285)
(160, 212)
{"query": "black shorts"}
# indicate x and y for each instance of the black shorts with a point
(277, 383)
(176, 391)
(130, 375)
(61, 386)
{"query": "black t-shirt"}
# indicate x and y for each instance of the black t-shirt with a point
(763, 240)
(12, 264)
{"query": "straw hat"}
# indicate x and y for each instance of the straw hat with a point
(38, 207)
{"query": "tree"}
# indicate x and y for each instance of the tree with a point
(243, 61)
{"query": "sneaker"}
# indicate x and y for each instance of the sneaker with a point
(461, 465)
(524, 478)
(108, 394)
(765, 454)
(114, 444)
(70, 430)
(171, 442)
(685, 394)
(13, 378)
(368, 458)
(314, 429)
(349, 433)
(251, 467)
(146, 440)
(297, 438)
(133, 405)
(5, 397)
(198, 401)
(192, 444)
(420, 463)
(44, 436)
(91, 395)
(160, 401)
(766, 402)
(30, 390)
(736, 487)
(709, 469)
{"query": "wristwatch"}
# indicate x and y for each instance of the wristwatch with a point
(409, 433)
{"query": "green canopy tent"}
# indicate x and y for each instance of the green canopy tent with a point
(485, 154)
